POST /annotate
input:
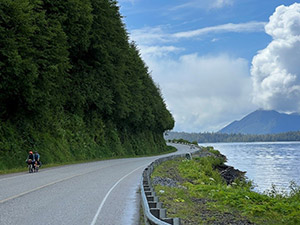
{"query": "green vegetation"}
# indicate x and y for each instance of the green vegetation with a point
(203, 197)
(169, 149)
(222, 137)
(72, 86)
(183, 141)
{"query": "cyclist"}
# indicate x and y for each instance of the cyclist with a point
(30, 157)
(37, 158)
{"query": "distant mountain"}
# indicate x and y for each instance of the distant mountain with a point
(264, 122)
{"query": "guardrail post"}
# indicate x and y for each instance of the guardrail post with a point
(176, 221)
(188, 156)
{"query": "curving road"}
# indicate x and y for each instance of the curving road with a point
(104, 192)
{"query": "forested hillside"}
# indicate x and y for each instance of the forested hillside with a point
(72, 86)
(223, 137)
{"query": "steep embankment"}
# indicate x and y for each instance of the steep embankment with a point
(72, 86)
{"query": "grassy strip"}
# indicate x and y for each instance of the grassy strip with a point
(169, 149)
(203, 197)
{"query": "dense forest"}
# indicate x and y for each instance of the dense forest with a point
(72, 86)
(222, 137)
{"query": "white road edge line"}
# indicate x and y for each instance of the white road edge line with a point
(108, 193)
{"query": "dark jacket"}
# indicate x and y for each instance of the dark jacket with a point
(30, 156)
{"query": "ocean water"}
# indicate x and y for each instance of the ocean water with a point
(266, 163)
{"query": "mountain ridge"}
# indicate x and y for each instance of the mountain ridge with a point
(264, 122)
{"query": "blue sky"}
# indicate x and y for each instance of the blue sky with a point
(217, 60)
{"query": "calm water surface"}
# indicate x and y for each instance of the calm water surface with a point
(265, 163)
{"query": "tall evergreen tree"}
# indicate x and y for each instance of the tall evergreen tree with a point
(17, 69)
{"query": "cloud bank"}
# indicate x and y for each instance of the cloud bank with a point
(201, 95)
(204, 93)
(276, 69)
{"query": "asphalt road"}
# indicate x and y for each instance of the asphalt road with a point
(104, 192)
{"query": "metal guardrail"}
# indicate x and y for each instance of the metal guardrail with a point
(155, 209)
(154, 214)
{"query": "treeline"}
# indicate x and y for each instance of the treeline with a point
(222, 137)
(72, 86)
(183, 141)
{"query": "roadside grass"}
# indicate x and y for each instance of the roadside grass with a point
(169, 149)
(203, 197)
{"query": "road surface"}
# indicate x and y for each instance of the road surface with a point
(102, 193)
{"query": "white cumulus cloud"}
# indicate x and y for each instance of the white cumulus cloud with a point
(275, 70)
(204, 93)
